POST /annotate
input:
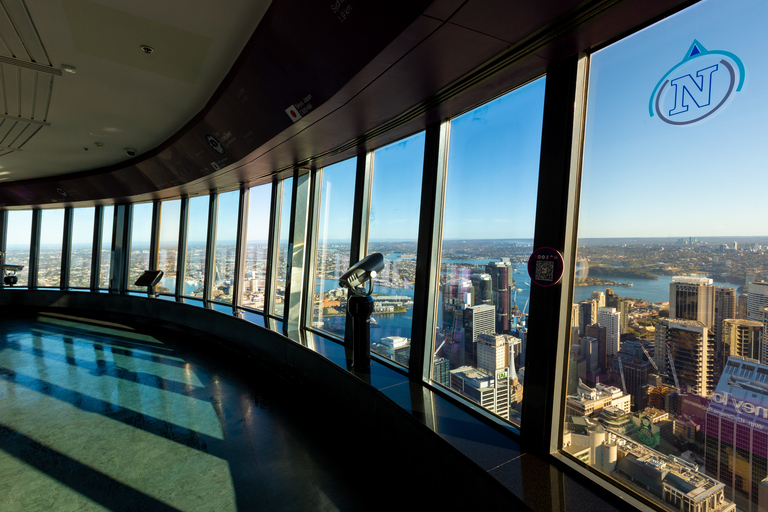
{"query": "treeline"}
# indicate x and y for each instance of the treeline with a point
(621, 272)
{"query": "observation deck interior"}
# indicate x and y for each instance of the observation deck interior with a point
(113, 400)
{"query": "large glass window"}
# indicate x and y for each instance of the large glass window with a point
(17, 243)
(393, 231)
(197, 236)
(105, 253)
(671, 276)
(282, 249)
(51, 239)
(488, 224)
(82, 248)
(226, 245)
(259, 204)
(141, 234)
(334, 230)
(168, 245)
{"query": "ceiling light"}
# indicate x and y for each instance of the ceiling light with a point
(68, 69)
(146, 48)
(3, 173)
(99, 144)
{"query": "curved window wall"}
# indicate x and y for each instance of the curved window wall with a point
(17, 243)
(226, 247)
(139, 252)
(393, 231)
(50, 245)
(334, 231)
(197, 238)
(105, 252)
(81, 252)
(168, 245)
(256, 245)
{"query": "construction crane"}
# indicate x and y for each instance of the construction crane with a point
(672, 366)
(649, 358)
(621, 371)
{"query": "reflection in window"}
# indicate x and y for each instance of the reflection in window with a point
(662, 359)
(197, 235)
(282, 249)
(334, 230)
(141, 233)
(82, 247)
(51, 238)
(259, 204)
(393, 231)
(18, 241)
(105, 254)
(488, 224)
(226, 245)
(168, 245)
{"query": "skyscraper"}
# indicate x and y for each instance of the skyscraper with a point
(690, 344)
(692, 298)
(499, 272)
(736, 432)
(492, 352)
(477, 320)
(587, 314)
(610, 319)
(742, 338)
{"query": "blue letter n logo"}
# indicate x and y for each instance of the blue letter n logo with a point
(698, 89)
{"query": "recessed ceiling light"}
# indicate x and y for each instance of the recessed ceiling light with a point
(146, 48)
(3, 173)
(68, 68)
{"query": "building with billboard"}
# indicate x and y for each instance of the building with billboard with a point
(736, 432)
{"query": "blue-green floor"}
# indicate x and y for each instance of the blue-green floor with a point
(97, 416)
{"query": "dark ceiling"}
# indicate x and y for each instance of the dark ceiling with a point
(316, 84)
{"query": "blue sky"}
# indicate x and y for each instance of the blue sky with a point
(645, 178)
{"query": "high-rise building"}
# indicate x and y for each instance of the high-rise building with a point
(742, 338)
(692, 298)
(757, 301)
(599, 298)
(600, 333)
(500, 272)
(637, 368)
(490, 391)
(736, 431)
(441, 371)
(610, 319)
(587, 314)
(482, 289)
(477, 320)
(492, 352)
(690, 344)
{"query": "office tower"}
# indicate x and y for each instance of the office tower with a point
(587, 314)
(692, 298)
(610, 319)
(736, 432)
(725, 307)
(637, 368)
(692, 349)
(622, 306)
(589, 351)
(482, 289)
(742, 338)
(575, 318)
(599, 298)
(477, 320)
(757, 301)
(395, 348)
(492, 352)
(500, 272)
(441, 371)
(490, 391)
(600, 333)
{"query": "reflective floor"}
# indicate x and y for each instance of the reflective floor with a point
(97, 416)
